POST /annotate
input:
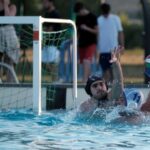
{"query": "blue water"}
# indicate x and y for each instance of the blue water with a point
(59, 129)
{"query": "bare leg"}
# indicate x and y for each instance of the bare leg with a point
(9, 75)
(86, 69)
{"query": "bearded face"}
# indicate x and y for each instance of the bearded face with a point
(99, 90)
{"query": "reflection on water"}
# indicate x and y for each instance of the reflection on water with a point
(59, 129)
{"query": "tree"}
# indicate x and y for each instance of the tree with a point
(26, 7)
(65, 7)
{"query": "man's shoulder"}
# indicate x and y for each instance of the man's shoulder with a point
(85, 103)
(114, 16)
(84, 106)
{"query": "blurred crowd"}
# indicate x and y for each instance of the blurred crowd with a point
(97, 37)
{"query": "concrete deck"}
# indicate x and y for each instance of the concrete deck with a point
(21, 95)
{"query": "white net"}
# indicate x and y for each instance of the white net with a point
(56, 54)
(16, 71)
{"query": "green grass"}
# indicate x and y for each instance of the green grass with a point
(133, 65)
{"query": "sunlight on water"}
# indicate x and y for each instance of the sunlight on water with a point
(58, 129)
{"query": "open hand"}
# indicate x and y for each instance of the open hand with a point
(115, 54)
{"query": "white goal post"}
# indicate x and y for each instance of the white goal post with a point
(37, 22)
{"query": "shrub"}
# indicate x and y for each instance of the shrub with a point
(132, 32)
(133, 35)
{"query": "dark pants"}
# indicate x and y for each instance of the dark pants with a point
(104, 61)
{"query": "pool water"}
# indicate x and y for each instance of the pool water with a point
(64, 130)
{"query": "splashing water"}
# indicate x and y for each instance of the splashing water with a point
(61, 129)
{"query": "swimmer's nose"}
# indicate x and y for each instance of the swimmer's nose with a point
(100, 87)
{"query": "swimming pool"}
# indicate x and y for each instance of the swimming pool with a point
(59, 129)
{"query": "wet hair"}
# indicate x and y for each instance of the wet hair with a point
(92, 79)
(105, 8)
(78, 6)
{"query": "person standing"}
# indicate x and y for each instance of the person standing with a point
(87, 29)
(9, 43)
(50, 52)
(49, 11)
(110, 35)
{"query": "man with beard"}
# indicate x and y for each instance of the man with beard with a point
(102, 97)
(97, 88)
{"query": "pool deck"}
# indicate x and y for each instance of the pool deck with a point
(82, 96)
(23, 94)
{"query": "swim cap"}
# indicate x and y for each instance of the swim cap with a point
(133, 98)
(92, 79)
(147, 65)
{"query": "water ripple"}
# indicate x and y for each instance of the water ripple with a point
(58, 129)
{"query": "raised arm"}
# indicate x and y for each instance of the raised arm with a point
(121, 38)
(117, 85)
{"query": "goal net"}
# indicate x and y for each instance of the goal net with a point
(33, 62)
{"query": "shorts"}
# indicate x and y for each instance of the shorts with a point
(87, 53)
(104, 61)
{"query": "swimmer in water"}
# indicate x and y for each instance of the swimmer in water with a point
(100, 95)
(146, 105)
(132, 100)
(137, 97)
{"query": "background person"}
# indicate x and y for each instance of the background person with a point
(87, 29)
(110, 35)
(65, 73)
(9, 44)
(50, 11)
(50, 42)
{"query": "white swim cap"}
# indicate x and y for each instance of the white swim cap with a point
(133, 98)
